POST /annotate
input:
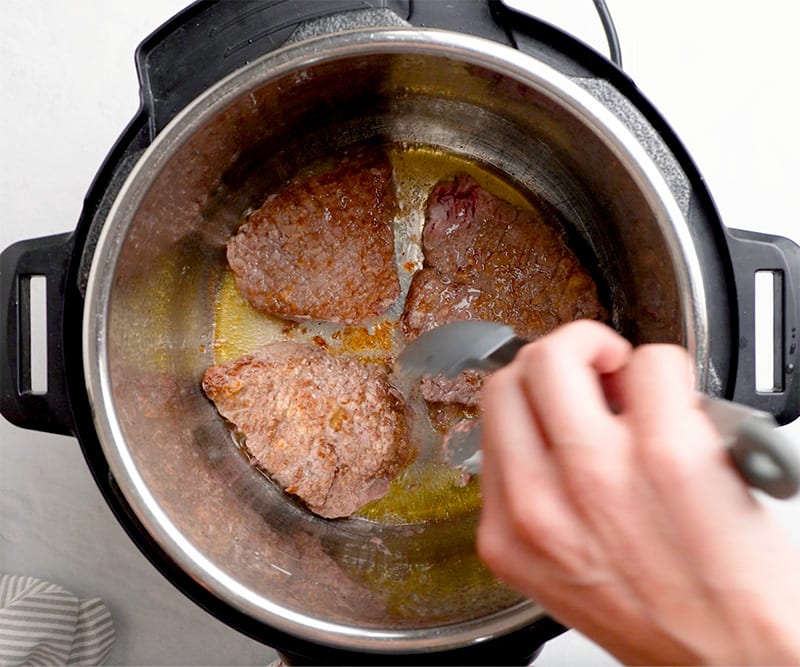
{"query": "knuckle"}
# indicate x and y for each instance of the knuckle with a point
(582, 330)
(582, 325)
(532, 518)
(596, 476)
(597, 457)
(539, 356)
(600, 491)
(535, 352)
(667, 361)
(666, 464)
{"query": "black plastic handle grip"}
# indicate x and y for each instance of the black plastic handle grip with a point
(752, 252)
(49, 257)
(210, 39)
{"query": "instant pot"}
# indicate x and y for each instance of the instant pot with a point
(236, 97)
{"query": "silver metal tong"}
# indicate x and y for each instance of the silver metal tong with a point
(763, 456)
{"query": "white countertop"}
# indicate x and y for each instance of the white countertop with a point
(723, 74)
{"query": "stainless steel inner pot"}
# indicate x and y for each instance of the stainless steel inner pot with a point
(148, 325)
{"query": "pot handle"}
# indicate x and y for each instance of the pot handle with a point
(753, 252)
(46, 410)
(212, 39)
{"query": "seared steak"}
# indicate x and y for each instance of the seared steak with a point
(486, 259)
(328, 429)
(462, 389)
(322, 248)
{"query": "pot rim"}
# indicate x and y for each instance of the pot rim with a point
(362, 42)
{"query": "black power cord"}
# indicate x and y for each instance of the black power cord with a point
(611, 32)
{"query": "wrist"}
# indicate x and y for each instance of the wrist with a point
(765, 628)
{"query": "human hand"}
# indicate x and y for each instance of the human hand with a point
(630, 525)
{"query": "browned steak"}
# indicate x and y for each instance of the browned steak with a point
(486, 259)
(462, 389)
(322, 248)
(329, 429)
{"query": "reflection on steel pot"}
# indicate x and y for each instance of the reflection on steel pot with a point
(140, 286)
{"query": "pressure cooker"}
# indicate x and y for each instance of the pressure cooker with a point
(236, 97)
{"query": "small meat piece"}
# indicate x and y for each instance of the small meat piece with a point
(486, 259)
(328, 429)
(322, 248)
(462, 389)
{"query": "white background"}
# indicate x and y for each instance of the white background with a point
(724, 75)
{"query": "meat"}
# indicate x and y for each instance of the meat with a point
(486, 259)
(323, 247)
(463, 389)
(328, 429)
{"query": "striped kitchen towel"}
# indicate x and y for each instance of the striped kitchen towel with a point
(43, 624)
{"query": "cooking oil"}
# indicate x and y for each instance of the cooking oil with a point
(238, 327)
(427, 491)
